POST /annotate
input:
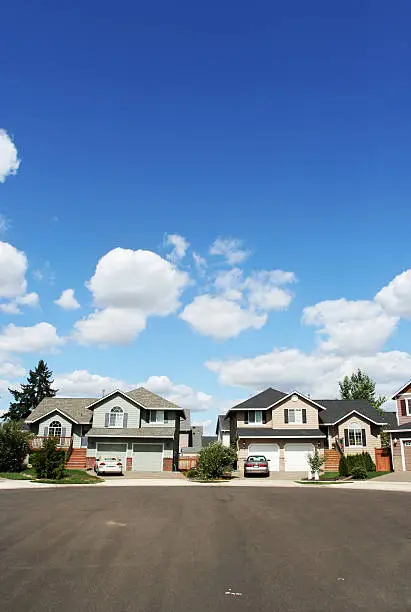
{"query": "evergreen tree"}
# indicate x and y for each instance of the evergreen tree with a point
(38, 386)
(360, 386)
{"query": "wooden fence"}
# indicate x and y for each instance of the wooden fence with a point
(186, 463)
(383, 459)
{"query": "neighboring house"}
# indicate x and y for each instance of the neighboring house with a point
(223, 430)
(285, 427)
(400, 431)
(144, 429)
(207, 440)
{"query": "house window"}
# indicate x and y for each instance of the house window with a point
(408, 406)
(295, 415)
(55, 429)
(116, 417)
(255, 416)
(354, 435)
(156, 416)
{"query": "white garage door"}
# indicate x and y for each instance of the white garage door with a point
(271, 451)
(117, 450)
(296, 457)
(147, 457)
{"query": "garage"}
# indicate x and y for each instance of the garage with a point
(270, 451)
(112, 448)
(295, 456)
(147, 457)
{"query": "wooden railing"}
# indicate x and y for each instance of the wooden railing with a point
(37, 442)
(186, 463)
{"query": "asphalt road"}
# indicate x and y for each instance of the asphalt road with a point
(204, 549)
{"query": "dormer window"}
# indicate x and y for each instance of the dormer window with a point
(116, 417)
(158, 416)
(254, 417)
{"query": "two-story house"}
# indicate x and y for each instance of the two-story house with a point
(400, 432)
(285, 427)
(145, 430)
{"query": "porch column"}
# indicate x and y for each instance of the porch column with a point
(176, 441)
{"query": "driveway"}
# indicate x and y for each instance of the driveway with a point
(205, 549)
(395, 477)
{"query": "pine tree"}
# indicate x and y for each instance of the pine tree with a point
(38, 386)
(360, 386)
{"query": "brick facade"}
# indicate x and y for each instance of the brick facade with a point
(168, 465)
(90, 461)
(129, 464)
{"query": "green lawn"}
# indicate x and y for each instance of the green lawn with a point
(70, 477)
(332, 476)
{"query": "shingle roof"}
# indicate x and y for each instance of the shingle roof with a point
(390, 418)
(223, 423)
(206, 440)
(130, 432)
(148, 399)
(185, 423)
(261, 400)
(335, 410)
(267, 432)
(73, 407)
(403, 427)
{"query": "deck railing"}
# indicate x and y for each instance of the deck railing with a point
(62, 442)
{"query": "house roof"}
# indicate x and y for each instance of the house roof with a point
(206, 440)
(148, 399)
(403, 427)
(267, 432)
(391, 418)
(185, 422)
(397, 393)
(223, 423)
(131, 432)
(261, 400)
(336, 410)
(75, 408)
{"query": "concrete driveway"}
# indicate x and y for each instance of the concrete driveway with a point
(204, 549)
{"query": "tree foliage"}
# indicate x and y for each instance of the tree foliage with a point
(360, 386)
(315, 461)
(49, 462)
(38, 386)
(343, 470)
(14, 447)
(214, 460)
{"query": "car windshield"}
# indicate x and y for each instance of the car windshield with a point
(257, 458)
(109, 459)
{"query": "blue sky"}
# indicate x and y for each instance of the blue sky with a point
(280, 131)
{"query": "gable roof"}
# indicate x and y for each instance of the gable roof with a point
(265, 399)
(148, 399)
(399, 428)
(391, 418)
(340, 409)
(223, 423)
(75, 408)
(397, 393)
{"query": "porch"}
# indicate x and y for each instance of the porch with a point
(63, 442)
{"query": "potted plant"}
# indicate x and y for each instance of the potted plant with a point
(315, 462)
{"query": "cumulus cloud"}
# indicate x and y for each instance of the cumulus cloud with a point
(350, 327)
(82, 383)
(9, 161)
(220, 318)
(199, 262)
(182, 395)
(13, 266)
(127, 287)
(316, 374)
(395, 297)
(67, 301)
(231, 249)
(39, 337)
(11, 370)
(179, 244)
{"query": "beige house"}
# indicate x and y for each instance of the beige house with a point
(400, 432)
(286, 427)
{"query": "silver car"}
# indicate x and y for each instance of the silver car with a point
(256, 464)
(108, 465)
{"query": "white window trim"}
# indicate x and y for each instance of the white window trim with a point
(156, 411)
(119, 417)
(255, 413)
(296, 411)
(402, 440)
(357, 427)
(60, 426)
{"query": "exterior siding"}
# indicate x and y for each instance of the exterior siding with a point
(99, 412)
(226, 439)
(56, 416)
(372, 433)
(184, 439)
(145, 416)
(278, 415)
(243, 448)
(403, 419)
(240, 420)
(398, 449)
(167, 445)
(77, 436)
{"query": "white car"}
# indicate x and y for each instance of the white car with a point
(108, 465)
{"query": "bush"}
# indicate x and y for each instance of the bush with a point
(14, 447)
(360, 460)
(192, 472)
(315, 461)
(214, 460)
(49, 462)
(343, 467)
(369, 463)
(359, 473)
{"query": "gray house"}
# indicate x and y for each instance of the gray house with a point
(144, 429)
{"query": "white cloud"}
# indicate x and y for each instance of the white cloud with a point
(315, 374)
(231, 249)
(4, 224)
(110, 326)
(200, 262)
(67, 301)
(182, 395)
(179, 244)
(229, 283)
(29, 299)
(265, 291)
(13, 266)
(351, 327)
(82, 383)
(9, 162)
(129, 286)
(11, 370)
(395, 297)
(10, 308)
(39, 337)
(219, 317)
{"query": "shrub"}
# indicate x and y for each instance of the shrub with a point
(361, 460)
(192, 472)
(214, 460)
(315, 461)
(343, 467)
(369, 463)
(359, 473)
(14, 447)
(49, 462)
